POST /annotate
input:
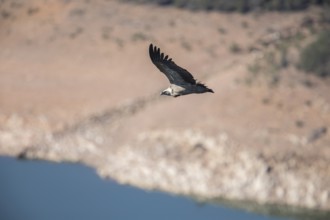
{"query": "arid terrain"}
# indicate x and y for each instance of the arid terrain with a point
(77, 84)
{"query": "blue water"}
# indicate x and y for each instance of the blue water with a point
(35, 190)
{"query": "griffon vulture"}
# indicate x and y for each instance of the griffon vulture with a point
(182, 82)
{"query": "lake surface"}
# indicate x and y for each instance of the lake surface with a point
(36, 190)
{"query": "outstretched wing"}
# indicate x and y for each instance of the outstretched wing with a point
(173, 72)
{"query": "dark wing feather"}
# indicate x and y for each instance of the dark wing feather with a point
(173, 72)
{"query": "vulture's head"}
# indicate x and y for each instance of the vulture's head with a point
(167, 92)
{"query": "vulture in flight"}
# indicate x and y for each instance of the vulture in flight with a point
(182, 82)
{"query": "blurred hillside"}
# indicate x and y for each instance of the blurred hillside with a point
(239, 5)
(76, 84)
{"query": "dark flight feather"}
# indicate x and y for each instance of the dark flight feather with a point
(173, 72)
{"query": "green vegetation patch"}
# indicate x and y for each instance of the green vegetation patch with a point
(315, 58)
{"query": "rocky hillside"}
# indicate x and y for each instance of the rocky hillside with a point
(76, 84)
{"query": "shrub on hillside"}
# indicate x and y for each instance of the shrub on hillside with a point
(315, 58)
